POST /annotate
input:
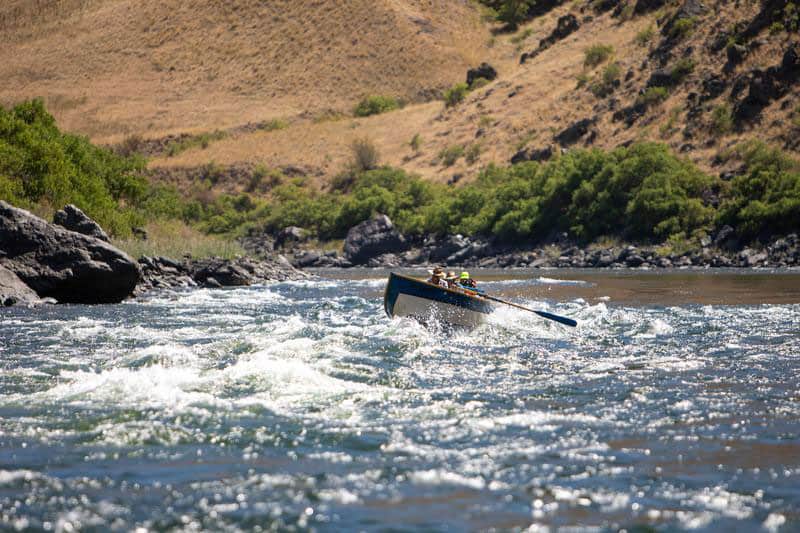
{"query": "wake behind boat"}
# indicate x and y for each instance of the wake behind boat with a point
(410, 297)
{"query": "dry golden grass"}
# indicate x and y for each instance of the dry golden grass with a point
(110, 68)
(174, 239)
(153, 67)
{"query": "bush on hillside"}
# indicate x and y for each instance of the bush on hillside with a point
(375, 104)
(365, 155)
(455, 94)
(596, 54)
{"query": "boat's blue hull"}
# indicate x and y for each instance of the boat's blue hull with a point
(426, 302)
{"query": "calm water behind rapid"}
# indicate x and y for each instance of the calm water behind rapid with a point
(301, 405)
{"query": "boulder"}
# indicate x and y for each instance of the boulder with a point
(574, 132)
(645, 6)
(226, 273)
(306, 258)
(13, 290)
(290, 234)
(447, 247)
(661, 78)
(76, 220)
(713, 86)
(533, 154)
(372, 238)
(766, 86)
(565, 26)
(484, 70)
(62, 264)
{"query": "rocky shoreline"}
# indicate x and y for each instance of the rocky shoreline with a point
(71, 261)
(377, 243)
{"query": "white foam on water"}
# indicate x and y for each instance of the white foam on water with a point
(438, 477)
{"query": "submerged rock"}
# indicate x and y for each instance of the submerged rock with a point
(62, 264)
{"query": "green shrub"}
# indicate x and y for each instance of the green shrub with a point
(653, 96)
(596, 54)
(644, 37)
(375, 104)
(765, 199)
(416, 143)
(683, 28)
(202, 140)
(473, 153)
(605, 84)
(448, 156)
(682, 68)
(456, 94)
(582, 80)
(273, 125)
(722, 120)
(365, 155)
(43, 168)
(776, 28)
(513, 12)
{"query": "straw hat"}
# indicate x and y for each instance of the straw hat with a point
(436, 272)
(451, 275)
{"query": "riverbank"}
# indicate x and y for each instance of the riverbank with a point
(458, 251)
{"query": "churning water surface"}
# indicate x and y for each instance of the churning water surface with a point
(301, 405)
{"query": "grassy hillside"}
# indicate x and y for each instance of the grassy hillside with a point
(111, 68)
(244, 107)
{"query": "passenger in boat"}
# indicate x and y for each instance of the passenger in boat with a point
(469, 284)
(466, 281)
(437, 277)
(452, 281)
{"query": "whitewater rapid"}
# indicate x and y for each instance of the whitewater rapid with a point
(301, 405)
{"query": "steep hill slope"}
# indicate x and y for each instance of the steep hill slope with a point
(110, 68)
(701, 77)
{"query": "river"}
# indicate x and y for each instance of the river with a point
(674, 404)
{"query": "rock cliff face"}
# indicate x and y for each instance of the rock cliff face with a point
(62, 264)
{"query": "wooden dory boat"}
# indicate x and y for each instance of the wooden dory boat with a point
(425, 302)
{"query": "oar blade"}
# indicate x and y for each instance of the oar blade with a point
(560, 319)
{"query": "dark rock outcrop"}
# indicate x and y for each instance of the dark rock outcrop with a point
(601, 6)
(72, 218)
(771, 11)
(713, 86)
(484, 70)
(63, 264)
(768, 85)
(574, 132)
(372, 238)
(565, 26)
(13, 290)
(533, 154)
(645, 6)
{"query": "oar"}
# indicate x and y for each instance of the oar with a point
(544, 314)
